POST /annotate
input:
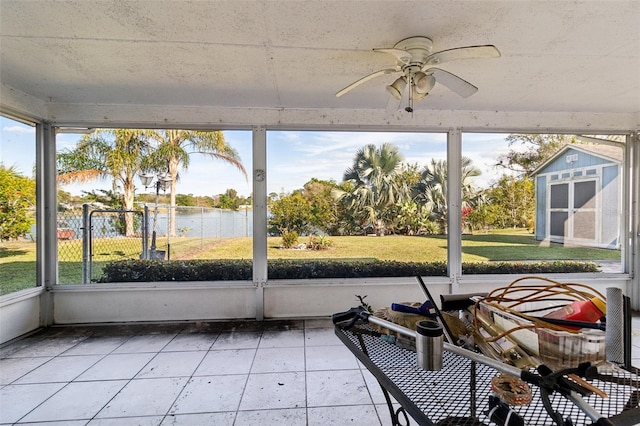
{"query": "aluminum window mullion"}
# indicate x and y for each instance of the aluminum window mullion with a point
(46, 211)
(631, 221)
(454, 203)
(259, 177)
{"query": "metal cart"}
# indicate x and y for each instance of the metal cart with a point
(460, 393)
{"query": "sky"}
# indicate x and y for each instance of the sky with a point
(293, 157)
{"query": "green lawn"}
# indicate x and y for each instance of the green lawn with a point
(17, 258)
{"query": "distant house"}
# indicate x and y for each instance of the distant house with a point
(578, 196)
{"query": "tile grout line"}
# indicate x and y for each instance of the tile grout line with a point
(306, 378)
(164, 417)
(134, 376)
(67, 383)
(244, 387)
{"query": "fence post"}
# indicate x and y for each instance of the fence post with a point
(86, 245)
(169, 230)
(145, 233)
(246, 220)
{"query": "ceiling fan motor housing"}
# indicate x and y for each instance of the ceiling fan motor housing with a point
(418, 47)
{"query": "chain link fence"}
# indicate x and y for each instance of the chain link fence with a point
(116, 235)
(69, 233)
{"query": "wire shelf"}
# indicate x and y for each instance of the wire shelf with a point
(460, 392)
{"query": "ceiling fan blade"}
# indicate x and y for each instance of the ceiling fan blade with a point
(364, 80)
(453, 82)
(469, 52)
(401, 56)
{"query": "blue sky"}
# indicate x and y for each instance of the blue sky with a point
(293, 157)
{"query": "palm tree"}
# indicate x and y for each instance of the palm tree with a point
(107, 153)
(174, 148)
(432, 190)
(375, 175)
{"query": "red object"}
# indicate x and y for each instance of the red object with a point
(582, 310)
(65, 233)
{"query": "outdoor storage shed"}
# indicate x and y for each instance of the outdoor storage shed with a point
(578, 196)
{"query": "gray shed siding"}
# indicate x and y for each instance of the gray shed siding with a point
(541, 207)
(584, 160)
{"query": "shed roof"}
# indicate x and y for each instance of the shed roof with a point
(611, 153)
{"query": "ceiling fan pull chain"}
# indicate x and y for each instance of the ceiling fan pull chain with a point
(409, 108)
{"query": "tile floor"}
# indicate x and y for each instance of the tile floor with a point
(238, 373)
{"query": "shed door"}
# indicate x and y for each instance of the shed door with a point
(559, 210)
(584, 210)
(573, 211)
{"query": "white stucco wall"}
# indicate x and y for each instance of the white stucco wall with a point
(19, 313)
(202, 301)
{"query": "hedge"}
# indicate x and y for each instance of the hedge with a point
(234, 270)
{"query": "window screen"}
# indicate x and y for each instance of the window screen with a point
(558, 221)
(584, 195)
(560, 196)
(584, 225)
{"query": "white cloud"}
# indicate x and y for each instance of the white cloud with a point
(19, 129)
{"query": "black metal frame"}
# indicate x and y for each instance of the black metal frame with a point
(387, 386)
(461, 390)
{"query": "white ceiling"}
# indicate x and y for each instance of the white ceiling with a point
(564, 63)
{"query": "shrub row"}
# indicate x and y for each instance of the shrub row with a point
(233, 270)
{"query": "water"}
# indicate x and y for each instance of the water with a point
(208, 223)
(190, 222)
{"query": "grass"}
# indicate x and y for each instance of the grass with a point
(520, 245)
(17, 266)
(17, 258)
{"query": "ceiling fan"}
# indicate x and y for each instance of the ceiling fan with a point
(417, 66)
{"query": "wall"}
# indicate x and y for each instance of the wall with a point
(75, 304)
(282, 299)
(19, 313)
(312, 298)
(169, 302)
(135, 302)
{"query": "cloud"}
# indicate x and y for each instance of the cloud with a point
(19, 129)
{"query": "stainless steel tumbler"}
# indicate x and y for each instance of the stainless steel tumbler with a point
(429, 342)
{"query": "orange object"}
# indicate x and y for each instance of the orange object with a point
(511, 389)
(582, 310)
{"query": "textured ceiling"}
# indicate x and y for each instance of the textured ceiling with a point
(557, 56)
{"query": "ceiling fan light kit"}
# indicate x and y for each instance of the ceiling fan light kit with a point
(416, 64)
(396, 89)
(424, 82)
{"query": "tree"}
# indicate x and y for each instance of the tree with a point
(376, 185)
(432, 189)
(119, 154)
(174, 148)
(412, 219)
(230, 200)
(410, 174)
(186, 200)
(324, 209)
(17, 196)
(113, 200)
(513, 202)
(538, 147)
(347, 223)
(290, 213)
(483, 215)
